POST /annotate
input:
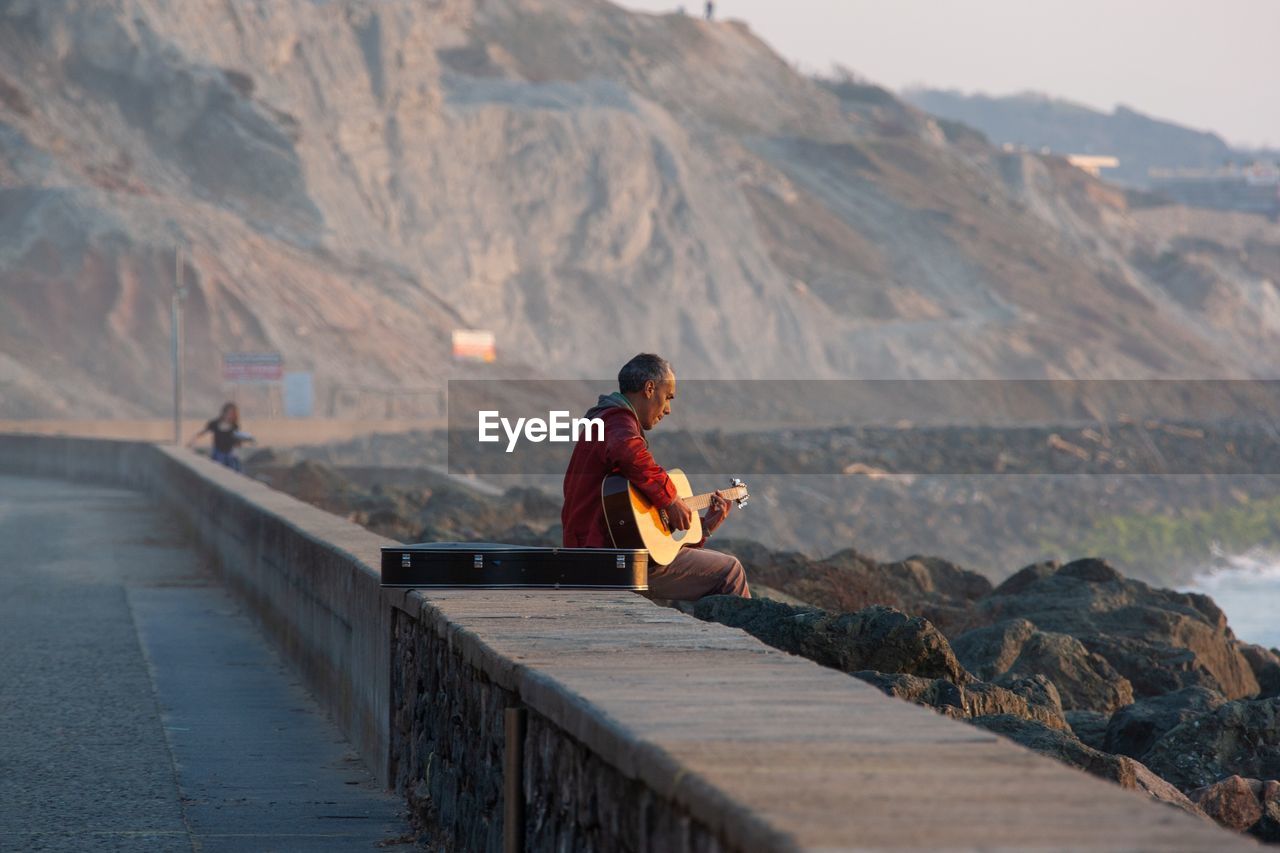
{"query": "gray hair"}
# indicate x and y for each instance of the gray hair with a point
(645, 367)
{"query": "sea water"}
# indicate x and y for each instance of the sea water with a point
(1247, 588)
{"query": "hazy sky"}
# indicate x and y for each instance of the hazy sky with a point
(1208, 64)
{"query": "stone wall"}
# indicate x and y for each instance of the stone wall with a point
(447, 741)
(447, 755)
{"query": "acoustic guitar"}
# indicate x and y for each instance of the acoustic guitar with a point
(633, 522)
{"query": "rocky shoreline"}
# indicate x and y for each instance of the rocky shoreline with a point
(1145, 687)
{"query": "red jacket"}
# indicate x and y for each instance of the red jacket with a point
(624, 451)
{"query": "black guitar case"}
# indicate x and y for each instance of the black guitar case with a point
(489, 565)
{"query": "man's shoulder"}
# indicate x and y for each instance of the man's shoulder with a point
(618, 418)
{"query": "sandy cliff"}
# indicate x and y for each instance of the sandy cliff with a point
(350, 180)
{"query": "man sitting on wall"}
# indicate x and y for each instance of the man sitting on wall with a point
(646, 387)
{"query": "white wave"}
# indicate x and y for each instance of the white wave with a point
(1247, 588)
(1257, 564)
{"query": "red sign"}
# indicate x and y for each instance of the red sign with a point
(250, 367)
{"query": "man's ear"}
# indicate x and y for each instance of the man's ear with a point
(650, 388)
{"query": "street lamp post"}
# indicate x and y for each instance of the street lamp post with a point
(175, 339)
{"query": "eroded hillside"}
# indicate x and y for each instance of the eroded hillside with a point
(350, 180)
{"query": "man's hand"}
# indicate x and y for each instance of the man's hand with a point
(721, 506)
(679, 516)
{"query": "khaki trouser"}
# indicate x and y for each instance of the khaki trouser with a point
(696, 572)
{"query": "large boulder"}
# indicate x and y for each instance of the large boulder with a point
(1239, 738)
(875, 638)
(1265, 664)
(848, 581)
(937, 589)
(1086, 681)
(1090, 727)
(1235, 802)
(1134, 729)
(1268, 829)
(1160, 640)
(975, 699)
(1017, 582)
(1245, 805)
(1065, 747)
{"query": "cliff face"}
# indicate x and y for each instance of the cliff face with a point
(350, 180)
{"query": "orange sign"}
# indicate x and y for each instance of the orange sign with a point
(474, 345)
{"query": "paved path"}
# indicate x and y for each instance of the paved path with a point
(141, 710)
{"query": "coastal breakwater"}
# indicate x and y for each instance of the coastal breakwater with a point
(644, 728)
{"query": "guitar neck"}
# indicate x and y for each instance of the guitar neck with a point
(701, 502)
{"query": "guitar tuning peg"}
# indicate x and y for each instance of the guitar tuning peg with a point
(734, 481)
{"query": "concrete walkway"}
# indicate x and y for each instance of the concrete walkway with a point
(140, 710)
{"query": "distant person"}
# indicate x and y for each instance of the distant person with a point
(227, 436)
(711, 10)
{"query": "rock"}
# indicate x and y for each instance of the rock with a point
(936, 575)
(1160, 640)
(1036, 689)
(1023, 578)
(1244, 805)
(1234, 802)
(876, 638)
(1065, 747)
(1025, 698)
(1268, 829)
(942, 695)
(759, 590)
(1091, 571)
(937, 589)
(993, 649)
(1265, 664)
(1086, 681)
(1090, 727)
(848, 581)
(1239, 738)
(1055, 743)
(1134, 729)
(964, 702)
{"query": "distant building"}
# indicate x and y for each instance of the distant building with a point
(1093, 163)
(1250, 189)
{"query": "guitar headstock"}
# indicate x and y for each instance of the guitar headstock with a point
(738, 485)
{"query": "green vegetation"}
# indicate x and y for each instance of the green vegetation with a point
(1154, 542)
